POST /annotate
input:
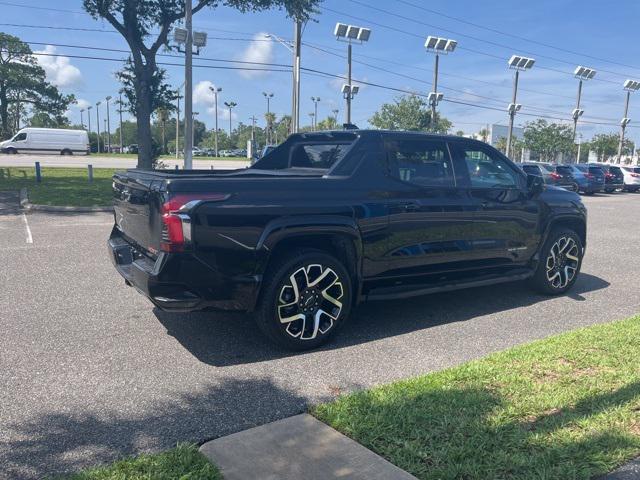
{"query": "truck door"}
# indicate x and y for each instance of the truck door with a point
(506, 221)
(430, 217)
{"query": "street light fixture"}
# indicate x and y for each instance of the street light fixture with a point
(108, 126)
(295, 84)
(582, 74)
(315, 101)
(268, 96)
(629, 86)
(438, 46)
(349, 34)
(216, 91)
(517, 63)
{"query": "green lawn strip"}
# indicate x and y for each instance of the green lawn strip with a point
(184, 462)
(61, 186)
(567, 407)
(164, 157)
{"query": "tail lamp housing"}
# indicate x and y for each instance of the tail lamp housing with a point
(176, 219)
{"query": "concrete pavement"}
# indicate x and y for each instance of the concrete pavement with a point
(90, 371)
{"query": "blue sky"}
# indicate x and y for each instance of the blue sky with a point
(589, 32)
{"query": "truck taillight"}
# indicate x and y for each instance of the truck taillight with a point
(176, 221)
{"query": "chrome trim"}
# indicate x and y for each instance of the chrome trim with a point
(186, 228)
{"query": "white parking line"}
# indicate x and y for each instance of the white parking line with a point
(27, 229)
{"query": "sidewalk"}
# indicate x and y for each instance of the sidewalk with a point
(630, 471)
(294, 448)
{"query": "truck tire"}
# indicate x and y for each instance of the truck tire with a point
(11, 151)
(560, 262)
(306, 298)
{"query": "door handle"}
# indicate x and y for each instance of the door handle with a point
(410, 207)
(484, 205)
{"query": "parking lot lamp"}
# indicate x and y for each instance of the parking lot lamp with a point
(120, 111)
(582, 74)
(89, 121)
(98, 122)
(315, 101)
(349, 34)
(438, 46)
(82, 117)
(517, 63)
(268, 96)
(629, 86)
(108, 127)
(216, 91)
(230, 106)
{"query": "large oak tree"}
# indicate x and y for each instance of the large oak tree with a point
(146, 24)
(23, 84)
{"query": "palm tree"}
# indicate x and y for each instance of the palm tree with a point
(484, 134)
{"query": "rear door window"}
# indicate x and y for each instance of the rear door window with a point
(320, 155)
(425, 163)
(487, 169)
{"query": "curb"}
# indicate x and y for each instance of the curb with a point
(27, 205)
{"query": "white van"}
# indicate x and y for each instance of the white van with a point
(47, 140)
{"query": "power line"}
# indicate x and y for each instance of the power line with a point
(519, 37)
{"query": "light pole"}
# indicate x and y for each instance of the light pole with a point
(187, 37)
(253, 132)
(268, 96)
(108, 126)
(438, 46)
(98, 122)
(193, 130)
(518, 64)
(295, 49)
(629, 86)
(335, 112)
(315, 101)
(230, 106)
(579, 147)
(89, 121)
(349, 33)
(582, 74)
(312, 116)
(120, 104)
(82, 117)
(216, 91)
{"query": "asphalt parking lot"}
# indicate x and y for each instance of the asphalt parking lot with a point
(91, 372)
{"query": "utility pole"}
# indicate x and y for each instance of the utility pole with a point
(297, 49)
(188, 88)
(108, 127)
(434, 97)
(335, 115)
(349, 97)
(577, 112)
(178, 125)
(82, 117)
(623, 125)
(98, 123)
(215, 91)
(120, 113)
(253, 132)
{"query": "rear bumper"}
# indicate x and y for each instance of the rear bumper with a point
(180, 282)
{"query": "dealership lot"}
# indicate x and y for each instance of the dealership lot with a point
(91, 372)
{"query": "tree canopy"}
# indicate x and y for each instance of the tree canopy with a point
(605, 145)
(138, 21)
(23, 85)
(408, 112)
(548, 139)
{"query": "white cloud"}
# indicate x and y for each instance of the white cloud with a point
(258, 51)
(82, 104)
(59, 70)
(203, 96)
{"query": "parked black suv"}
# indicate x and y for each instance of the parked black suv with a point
(330, 219)
(613, 176)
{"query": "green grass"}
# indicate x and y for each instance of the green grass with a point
(184, 462)
(163, 157)
(61, 186)
(567, 407)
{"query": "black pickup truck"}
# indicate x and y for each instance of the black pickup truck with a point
(328, 220)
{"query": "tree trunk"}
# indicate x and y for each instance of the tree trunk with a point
(143, 118)
(4, 112)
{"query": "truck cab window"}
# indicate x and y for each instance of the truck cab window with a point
(322, 155)
(21, 137)
(422, 162)
(487, 170)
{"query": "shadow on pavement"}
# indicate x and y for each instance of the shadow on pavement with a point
(55, 443)
(224, 339)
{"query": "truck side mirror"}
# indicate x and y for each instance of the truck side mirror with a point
(535, 185)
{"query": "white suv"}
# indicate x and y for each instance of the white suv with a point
(631, 178)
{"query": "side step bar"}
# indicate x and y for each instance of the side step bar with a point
(405, 291)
